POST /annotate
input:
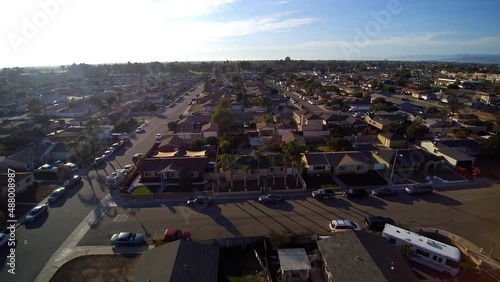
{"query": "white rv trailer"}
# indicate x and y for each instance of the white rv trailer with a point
(431, 253)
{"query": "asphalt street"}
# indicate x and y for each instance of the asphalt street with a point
(471, 213)
(37, 242)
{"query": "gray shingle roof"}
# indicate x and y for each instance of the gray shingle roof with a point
(178, 261)
(358, 256)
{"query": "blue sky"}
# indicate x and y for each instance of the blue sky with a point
(55, 32)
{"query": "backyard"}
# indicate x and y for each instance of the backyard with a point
(236, 265)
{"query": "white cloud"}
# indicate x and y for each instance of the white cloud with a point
(282, 2)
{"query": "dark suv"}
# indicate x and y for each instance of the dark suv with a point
(377, 223)
(356, 193)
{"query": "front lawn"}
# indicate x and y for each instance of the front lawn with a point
(371, 178)
(320, 181)
(144, 190)
(320, 149)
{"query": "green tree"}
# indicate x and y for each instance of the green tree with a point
(172, 126)
(453, 105)
(396, 127)
(491, 146)
(257, 153)
(292, 151)
(197, 143)
(110, 101)
(223, 116)
(212, 140)
(298, 166)
(417, 129)
(245, 169)
(338, 144)
(444, 114)
(406, 251)
(34, 105)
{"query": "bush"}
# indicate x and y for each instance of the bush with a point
(158, 242)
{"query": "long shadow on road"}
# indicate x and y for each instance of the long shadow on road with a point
(215, 213)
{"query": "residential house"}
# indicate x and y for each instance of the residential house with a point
(292, 136)
(23, 181)
(181, 260)
(284, 127)
(368, 258)
(466, 146)
(166, 169)
(62, 152)
(210, 130)
(75, 111)
(308, 121)
(392, 140)
(33, 157)
(465, 118)
(263, 165)
(335, 163)
(406, 161)
(436, 126)
(265, 128)
(452, 156)
(381, 119)
(170, 144)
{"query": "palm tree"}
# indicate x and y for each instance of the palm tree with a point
(257, 153)
(444, 114)
(298, 167)
(224, 164)
(274, 162)
(245, 169)
(292, 152)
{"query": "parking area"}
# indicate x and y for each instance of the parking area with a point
(472, 213)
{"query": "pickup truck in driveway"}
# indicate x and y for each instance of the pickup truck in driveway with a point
(323, 194)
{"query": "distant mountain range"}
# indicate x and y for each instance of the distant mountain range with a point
(459, 58)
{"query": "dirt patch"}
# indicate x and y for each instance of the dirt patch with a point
(106, 268)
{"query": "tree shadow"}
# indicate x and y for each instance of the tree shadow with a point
(372, 202)
(401, 197)
(437, 198)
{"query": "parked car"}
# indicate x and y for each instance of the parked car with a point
(3, 239)
(107, 154)
(56, 194)
(200, 200)
(419, 189)
(140, 129)
(383, 191)
(128, 168)
(136, 157)
(176, 234)
(341, 225)
(377, 223)
(36, 212)
(127, 238)
(158, 136)
(356, 193)
(73, 181)
(115, 146)
(72, 167)
(98, 161)
(323, 194)
(270, 198)
(47, 167)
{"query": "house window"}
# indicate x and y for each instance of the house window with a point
(151, 173)
(342, 168)
(193, 174)
(174, 174)
(235, 172)
(360, 167)
(254, 171)
(319, 167)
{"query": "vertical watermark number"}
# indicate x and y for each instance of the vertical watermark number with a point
(11, 220)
